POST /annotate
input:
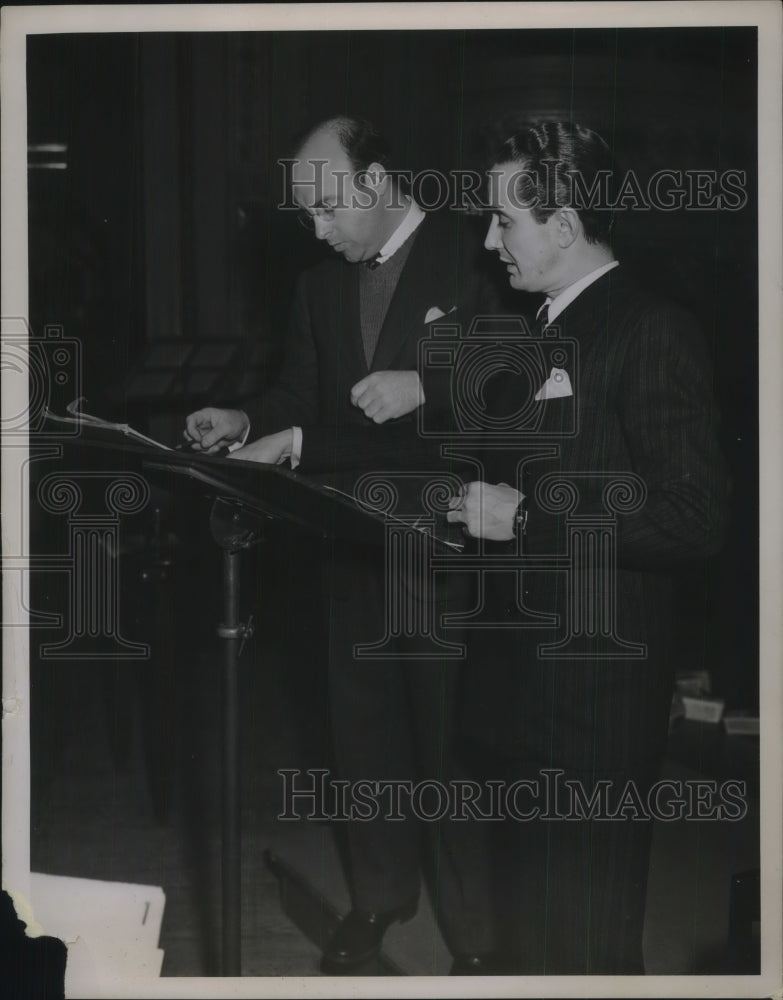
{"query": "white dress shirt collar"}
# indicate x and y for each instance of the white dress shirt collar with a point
(413, 219)
(567, 296)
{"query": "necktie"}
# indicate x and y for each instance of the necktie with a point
(510, 386)
(373, 262)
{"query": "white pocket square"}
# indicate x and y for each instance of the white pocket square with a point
(558, 384)
(434, 313)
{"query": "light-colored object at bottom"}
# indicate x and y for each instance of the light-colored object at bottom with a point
(703, 709)
(741, 723)
(111, 929)
(694, 682)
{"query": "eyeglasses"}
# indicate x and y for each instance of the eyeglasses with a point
(306, 217)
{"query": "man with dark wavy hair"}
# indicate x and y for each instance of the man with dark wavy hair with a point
(557, 164)
(570, 695)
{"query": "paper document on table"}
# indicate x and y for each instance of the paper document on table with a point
(78, 416)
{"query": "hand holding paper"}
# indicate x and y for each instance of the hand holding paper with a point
(212, 429)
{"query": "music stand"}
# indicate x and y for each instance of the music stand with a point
(246, 496)
(237, 522)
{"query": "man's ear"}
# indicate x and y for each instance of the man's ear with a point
(374, 175)
(569, 226)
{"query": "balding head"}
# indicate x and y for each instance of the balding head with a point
(359, 139)
(340, 181)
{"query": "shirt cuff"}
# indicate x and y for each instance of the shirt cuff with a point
(241, 442)
(296, 447)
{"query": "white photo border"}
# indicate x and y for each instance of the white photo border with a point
(17, 24)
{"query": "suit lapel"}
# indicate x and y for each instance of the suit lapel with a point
(585, 321)
(580, 321)
(586, 316)
(344, 295)
(423, 281)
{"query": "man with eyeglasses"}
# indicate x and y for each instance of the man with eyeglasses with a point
(346, 399)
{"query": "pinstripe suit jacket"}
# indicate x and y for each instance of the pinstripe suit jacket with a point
(643, 404)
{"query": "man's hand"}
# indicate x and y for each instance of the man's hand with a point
(272, 449)
(385, 395)
(486, 511)
(211, 429)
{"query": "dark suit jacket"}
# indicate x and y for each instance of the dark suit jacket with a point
(642, 401)
(325, 357)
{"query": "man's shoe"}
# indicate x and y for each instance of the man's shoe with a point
(358, 938)
(475, 965)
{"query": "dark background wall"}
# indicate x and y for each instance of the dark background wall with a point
(164, 224)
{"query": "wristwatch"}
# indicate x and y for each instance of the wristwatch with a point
(520, 518)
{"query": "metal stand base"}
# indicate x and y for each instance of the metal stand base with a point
(234, 530)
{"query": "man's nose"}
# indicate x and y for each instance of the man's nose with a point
(492, 241)
(321, 227)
